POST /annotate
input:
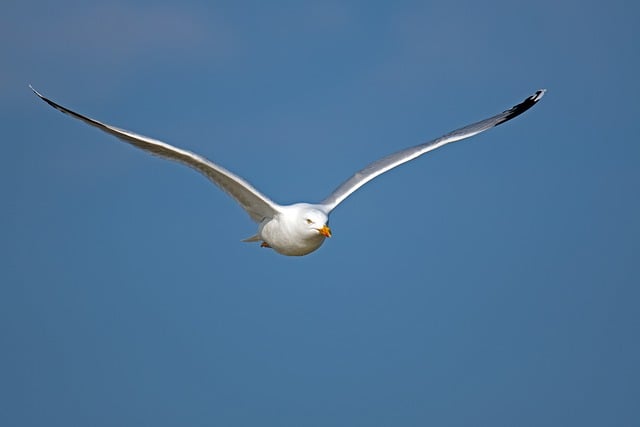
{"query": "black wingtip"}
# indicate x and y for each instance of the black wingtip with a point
(529, 102)
(539, 94)
(56, 106)
(39, 95)
(34, 91)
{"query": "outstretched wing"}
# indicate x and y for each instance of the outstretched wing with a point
(396, 159)
(256, 204)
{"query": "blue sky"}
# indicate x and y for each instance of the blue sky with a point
(493, 282)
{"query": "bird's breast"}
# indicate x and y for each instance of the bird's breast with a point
(286, 239)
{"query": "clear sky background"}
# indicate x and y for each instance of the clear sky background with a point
(493, 282)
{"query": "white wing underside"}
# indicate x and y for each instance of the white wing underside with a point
(255, 203)
(396, 159)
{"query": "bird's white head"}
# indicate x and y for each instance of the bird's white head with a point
(313, 221)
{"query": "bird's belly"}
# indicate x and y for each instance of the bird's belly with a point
(289, 243)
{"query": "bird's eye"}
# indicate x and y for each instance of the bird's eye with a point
(309, 221)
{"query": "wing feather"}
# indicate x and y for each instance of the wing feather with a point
(255, 203)
(396, 159)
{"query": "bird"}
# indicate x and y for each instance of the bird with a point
(301, 228)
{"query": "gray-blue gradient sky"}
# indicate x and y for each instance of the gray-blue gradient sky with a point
(493, 282)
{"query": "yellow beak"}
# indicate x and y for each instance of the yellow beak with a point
(325, 231)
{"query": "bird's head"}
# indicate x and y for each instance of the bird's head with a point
(313, 221)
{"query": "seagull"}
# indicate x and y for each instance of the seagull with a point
(300, 228)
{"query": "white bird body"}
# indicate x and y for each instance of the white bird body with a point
(297, 230)
(301, 228)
